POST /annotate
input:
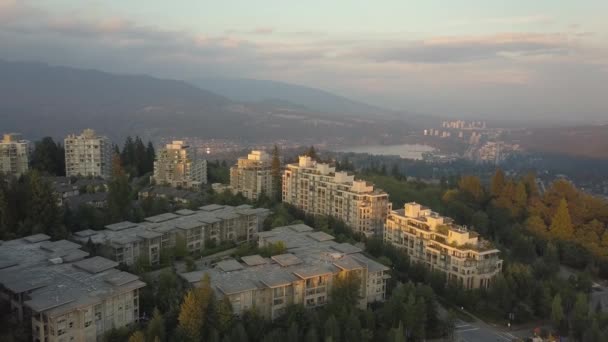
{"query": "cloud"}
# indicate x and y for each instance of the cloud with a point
(398, 69)
(467, 49)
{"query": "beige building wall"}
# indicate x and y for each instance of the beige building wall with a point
(318, 189)
(87, 323)
(14, 155)
(88, 154)
(176, 166)
(438, 243)
(252, 176)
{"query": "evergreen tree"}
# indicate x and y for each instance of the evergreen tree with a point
(276, 174)
(557, 311)
(127, 156)
(139, 162)
(312, 335)
(224, 315)
(43, 212)
(580, 315)
(332, 329)
(149, 160)
(156, 327)
(498, 183)
(312, 153)
(561, 226)
(48, 157)
(119, 194)
(292, 332)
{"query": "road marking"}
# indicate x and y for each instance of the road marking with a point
(463, 325)
(472, 329)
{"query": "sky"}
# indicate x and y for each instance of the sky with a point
(516, 59)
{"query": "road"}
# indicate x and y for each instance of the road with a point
(481, 332)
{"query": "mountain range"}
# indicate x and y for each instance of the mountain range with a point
(250, 90)
(38, 100)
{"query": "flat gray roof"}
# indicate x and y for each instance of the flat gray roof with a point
(121, 225)
(254, 260)
(161, 218)
(229, 265)
(346, 248)
(211, 207)
(57, 278)
(96, 264)
(287, 259)
(37, 238)
(307, 257)
(321, 236)
(185, 212)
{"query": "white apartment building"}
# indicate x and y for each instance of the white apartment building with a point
(14, 155)
(441, 245)
(177, 166)
(65, 295)
(318, 189)
(126, 242)
(88, 154)
(303, 275)
(252, 176)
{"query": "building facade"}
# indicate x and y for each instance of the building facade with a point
(177, 166)
(252, 176)
(88, 155)
(14, 155)
(65, 295)
(318, 189)
(303, 275)
(127, 242)
(441, 245)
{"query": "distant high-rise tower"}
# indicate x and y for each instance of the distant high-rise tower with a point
(252, 176)
(14, 155)
(176, 165)
(88, 154)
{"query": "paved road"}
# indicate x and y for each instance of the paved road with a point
(480, 332)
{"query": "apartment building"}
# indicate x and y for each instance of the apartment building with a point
(127, 242)
(441, 245)
(177, 166)
(65, 295)
(303, 275)
(318, 189)
(252, 176)
(14, 155)
(88, 154)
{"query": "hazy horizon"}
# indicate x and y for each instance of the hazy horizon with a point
(482, 59)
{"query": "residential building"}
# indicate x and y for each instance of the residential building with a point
(252, 176)
(177, 166)
(14, 155)
(88, 154)
(172, 195)
(65, 295)
(221, 188)
(303, 275)
(441, 245)
(318, 189)
(127, 242)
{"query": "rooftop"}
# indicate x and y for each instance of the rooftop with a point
(309, 254)
(127, 232)
(57, 277)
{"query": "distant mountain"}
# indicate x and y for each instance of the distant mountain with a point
(250, 90)
(39, 100)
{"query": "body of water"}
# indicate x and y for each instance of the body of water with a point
(407, 151)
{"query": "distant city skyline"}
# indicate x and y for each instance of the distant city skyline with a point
(533, 60)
